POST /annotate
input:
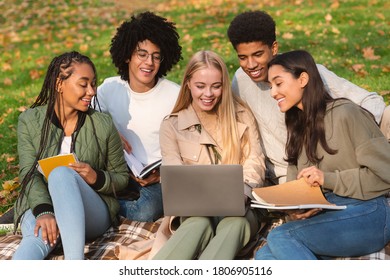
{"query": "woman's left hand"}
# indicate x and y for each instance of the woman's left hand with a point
(86, 172)
(312, 175)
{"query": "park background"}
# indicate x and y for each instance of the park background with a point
(351, 38)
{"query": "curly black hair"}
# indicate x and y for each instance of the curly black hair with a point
(141, 27)
(252, 26)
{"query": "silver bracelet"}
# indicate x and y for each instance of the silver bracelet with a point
(44, 213)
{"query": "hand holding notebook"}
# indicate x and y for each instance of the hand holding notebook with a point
(46, 165)
(138, 169)
(297, 194)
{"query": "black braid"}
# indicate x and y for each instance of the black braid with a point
(60, 69)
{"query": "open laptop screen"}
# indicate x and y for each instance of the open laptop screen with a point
(203, 190)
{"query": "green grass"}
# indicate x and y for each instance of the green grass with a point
(32, 32)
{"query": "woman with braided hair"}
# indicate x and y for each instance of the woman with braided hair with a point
(75, 202)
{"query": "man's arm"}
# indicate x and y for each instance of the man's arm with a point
(340, 87)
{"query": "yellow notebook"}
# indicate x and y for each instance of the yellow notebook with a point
(46, 165)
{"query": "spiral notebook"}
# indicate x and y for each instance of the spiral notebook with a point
(203, 190)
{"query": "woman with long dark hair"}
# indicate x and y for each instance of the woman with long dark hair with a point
(75, 202)
(336, 145)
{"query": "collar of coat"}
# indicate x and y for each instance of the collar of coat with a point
(80, 120)
(188, 120)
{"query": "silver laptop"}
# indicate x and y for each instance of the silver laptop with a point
(203, 190)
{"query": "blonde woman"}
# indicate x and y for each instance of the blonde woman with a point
(209, 125)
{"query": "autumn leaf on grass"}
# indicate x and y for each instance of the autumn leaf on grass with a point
(7, 82)
(83, 47)
(359, 69)
(288, 36)
(34, 74)
(11, 185)
(187, 38)
(335, 30)
(10, 159)
(368, 53)
(6, 66)
(328, 18)
(381, 32)
(335, 5)
(4, 194)
(22, 108)
(381, 16)
(40, 62)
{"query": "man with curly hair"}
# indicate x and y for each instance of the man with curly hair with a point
(253, 37)
(143, 50)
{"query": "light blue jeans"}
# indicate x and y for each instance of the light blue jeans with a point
(80, 214)
(147, 208)
(361, 229)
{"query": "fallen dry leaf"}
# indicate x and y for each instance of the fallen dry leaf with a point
(288, 36)
(11, 185)
(381, 32)
(328, 18)
(7, 81)
(83, 47)
(335, 5)
(7, 66)
(10, 159)
(381, 16)
(335, 30)
(4, 193)
(368, 53)
(34, 74)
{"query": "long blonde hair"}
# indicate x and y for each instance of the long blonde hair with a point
(232, 152)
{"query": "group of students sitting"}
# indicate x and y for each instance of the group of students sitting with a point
(283, 117)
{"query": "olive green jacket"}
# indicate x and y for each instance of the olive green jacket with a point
(95, 141)
(360, 168)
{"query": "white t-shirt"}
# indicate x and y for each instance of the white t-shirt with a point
(138, 116)
(65, 145)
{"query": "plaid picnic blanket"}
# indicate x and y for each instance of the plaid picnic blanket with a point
(102, 248)
(130, 232)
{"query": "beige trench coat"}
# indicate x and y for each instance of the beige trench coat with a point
(181, 143)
